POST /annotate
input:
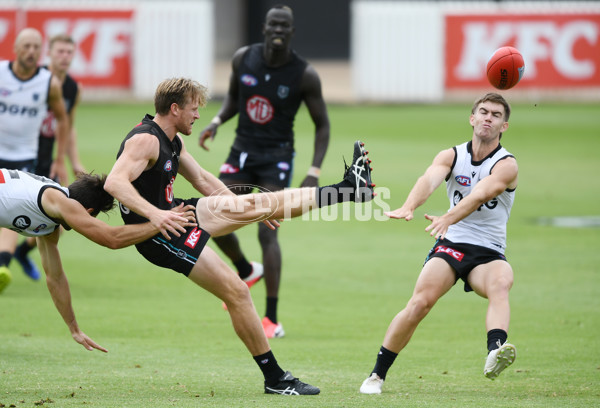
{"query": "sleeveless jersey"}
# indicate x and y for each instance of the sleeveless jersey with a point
(485, 226)
(20, 203)
(156, 183)
(23, 107)
(268, 101)
(48, 128)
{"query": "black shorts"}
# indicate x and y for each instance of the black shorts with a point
(463, 257)
(23, 165)
(180, 253)
(259, 168)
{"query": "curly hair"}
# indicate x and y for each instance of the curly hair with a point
(88, 189)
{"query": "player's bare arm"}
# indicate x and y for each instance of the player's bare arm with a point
(58, 286)
(435, 174)
(229, 108)
(57, 106)
(503, 176)
(140, 153)
(73, 215)
(313, 98)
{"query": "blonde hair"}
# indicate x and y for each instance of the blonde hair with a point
(61, 38)
(179, 91)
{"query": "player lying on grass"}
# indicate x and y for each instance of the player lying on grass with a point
(149, 160)
(36, 206)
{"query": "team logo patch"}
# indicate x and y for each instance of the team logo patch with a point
(259, 109)
(5, 92)
(283, 91)
(168, 165)
(249, 80)
(285, 166)
(229, 169)
(22, 222)
(452, 252)
(463, 180)
(193, 238)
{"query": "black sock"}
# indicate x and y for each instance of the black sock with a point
(271, 312)
(243, 267)
(385, 359)
(5, 258)
(494, 336)
(269, 367)
(335, 193)
(23, 249)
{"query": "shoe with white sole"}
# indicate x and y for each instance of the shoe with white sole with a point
(290, 385)
(371, 385)
(498, 359)
(272, 330)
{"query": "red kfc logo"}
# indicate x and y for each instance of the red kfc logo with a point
(560, 50)
(8, 33)
(193, 238)
(103, 39)
(452, 252)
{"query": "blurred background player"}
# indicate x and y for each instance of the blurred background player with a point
(28, 92)
(268, 83)
(481, 178)
(61, 50)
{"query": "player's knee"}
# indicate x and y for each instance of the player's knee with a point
(238, 295)
(418, 307)
(266, 236)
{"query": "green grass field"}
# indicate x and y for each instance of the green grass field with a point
(171, 344)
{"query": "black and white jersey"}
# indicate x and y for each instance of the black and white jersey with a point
(485, 226)
(23, 107)
(21, 203)
(268, 101)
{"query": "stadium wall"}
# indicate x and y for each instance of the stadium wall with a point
(124, 48)
(434, 51)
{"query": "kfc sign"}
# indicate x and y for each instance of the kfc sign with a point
(8, 33)
(560, 50)
(103, 38)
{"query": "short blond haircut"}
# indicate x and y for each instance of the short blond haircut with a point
(179, 91)
(61, 38)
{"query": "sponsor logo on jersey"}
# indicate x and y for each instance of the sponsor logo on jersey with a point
(249, 80)
(168, 165)
(18, 110)
(193, 238)
(285, 166)
(259, 109)
(283, 91)
(452, 252)
(5, 92)
(463, 180)
(22, 222)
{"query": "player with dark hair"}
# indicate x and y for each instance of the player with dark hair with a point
(61, 50)
(36, 206)
(268, 83)
(481, 178)
(142, 179)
